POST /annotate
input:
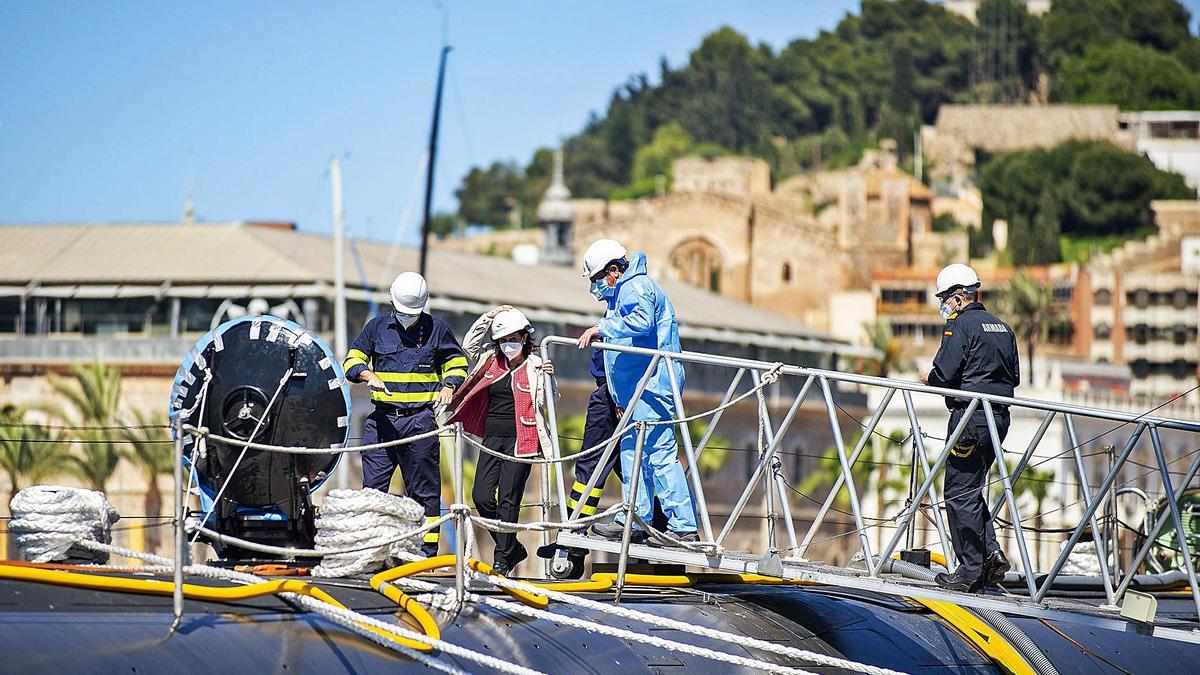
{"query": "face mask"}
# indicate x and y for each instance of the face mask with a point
(945, 310)
(407, 320)
(601, 290)
(511, 349)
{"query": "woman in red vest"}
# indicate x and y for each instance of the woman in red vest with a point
(502, 401)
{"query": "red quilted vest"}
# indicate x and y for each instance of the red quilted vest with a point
(471, 408)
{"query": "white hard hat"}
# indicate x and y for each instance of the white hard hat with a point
(410, 293)
(508, 322)
(599, 254)
(956, 275)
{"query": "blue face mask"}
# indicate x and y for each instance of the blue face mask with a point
(601, 290)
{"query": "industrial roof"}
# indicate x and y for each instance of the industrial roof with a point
(229, 256)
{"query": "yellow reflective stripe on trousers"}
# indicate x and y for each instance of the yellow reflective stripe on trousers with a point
(432, 536)
(404, 397)
(588, 510)
(408, 377)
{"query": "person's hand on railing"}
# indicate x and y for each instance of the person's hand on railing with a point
(589, 336)
(924, 378)
(547, 367)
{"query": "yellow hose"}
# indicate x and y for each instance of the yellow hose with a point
(656, 580)
(437, 562)
(191, 591)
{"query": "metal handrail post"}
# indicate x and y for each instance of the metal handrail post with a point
(840, 479)
(555, 448)
(635, 478)
(708, 432)
(460, 520)
(779, 483)
(180, 534)
(700, 503)
(1090, 511)
(615, 442)
(839, 444)
(911, 512)
(762, 464)
(935, 494)
(1158, 523)
(1180, 534)
(1086, 493)
(1025, 457)
(1009, 497)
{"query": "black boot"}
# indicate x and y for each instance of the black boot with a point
(957, 582)
(994, 568)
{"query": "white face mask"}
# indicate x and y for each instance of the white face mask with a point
(511, 349)
(946, 311)
(407, 320)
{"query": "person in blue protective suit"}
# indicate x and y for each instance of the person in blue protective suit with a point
(412, 362)
(640, 315)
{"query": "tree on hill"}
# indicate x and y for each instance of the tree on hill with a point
(1129, 75)
(881, 73)
(1087, 188)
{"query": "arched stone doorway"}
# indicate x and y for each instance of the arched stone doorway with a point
(698, 262)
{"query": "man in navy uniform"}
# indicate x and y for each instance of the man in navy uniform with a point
(411, 361)
(978, 354)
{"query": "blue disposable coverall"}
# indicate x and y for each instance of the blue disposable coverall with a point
(641, 315)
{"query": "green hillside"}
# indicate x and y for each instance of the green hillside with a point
(878, 74)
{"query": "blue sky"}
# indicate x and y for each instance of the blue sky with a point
(106, 108)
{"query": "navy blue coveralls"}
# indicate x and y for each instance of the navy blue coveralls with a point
(978, 354)
(601, 423)
(414, 364)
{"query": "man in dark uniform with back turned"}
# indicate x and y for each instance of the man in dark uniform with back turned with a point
(411, 361)
(978, 354)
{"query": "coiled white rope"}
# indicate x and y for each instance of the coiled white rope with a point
(663, 622)
(371, 525)
(49, 522)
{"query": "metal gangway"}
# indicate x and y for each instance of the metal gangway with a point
(872, 571)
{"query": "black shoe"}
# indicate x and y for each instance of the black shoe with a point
(956, 582)
(615, 531)
(994, 568)
(501, 568)
(686, 537)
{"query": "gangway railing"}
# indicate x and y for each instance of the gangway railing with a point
(768, 475)
(713, 551)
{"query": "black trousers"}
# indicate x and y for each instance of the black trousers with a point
(499, 486)
(601, 423)
(419, 462)
(971, 458)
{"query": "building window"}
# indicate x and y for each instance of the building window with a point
(1139, 298)
(1103, 331)
(787, 273)
(1104, 297)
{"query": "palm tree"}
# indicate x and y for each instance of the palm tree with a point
(93, 393)
(28, 452)
(1032, 311)
(1035, 483)
(148, 447)
(893, 356)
